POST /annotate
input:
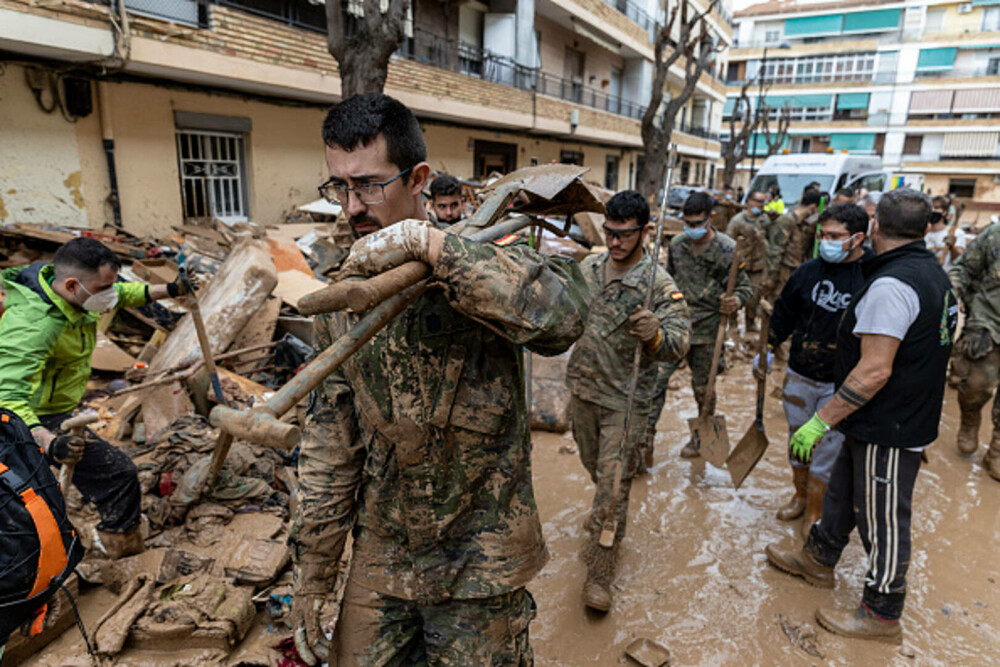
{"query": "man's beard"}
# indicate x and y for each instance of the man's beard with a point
(365, 221)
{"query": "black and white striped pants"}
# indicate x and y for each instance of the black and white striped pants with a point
(871, 488)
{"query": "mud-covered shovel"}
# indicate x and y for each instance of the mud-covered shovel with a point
(708, 431)
(753, 444)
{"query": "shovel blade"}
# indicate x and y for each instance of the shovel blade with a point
(747, 453)
(709, 436)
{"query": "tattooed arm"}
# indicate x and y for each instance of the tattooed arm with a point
(865, 380)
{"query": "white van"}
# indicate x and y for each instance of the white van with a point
(792, 173)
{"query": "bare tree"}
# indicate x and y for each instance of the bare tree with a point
(738, 146)
(362, 35)
(775, 139)
(695, 44)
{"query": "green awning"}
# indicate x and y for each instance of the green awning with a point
(727, 109)
(758, 145)
(777, 101)
(812, 26)
(853, 143)
(985, 3)
(847, 101)
(812, 100)
(879, 19)
(936, 60)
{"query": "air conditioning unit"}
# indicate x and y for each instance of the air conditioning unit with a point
(965, 8)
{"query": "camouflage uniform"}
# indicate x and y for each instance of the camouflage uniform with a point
(753, 230)
(702, 279)
(976, 278)
(808, 228)
(600, 371)
(784, 252)
(724, 211)
(420, 445)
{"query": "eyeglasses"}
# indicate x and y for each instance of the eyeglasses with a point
(368, 194)
(619, 234)
(696, 223)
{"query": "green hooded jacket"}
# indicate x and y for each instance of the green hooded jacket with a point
(46, 343)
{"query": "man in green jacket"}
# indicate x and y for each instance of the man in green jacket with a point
(47, 336)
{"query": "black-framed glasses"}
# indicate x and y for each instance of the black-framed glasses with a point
(696, 223)
(368, 194)
(619, 234)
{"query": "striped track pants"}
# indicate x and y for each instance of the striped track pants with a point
(871, 489)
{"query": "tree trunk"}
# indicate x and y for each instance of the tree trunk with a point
(654, 164)
(363, 44)
(360, 73)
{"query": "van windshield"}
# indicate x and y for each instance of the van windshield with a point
(791, 185)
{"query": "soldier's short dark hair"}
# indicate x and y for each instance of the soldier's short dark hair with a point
(359, 120)
(752, 193)
(940, 202)
(852, 216)
(846, 193)
(445, 185)
(698, 202)
(811, 198)
(903, 214)
(83, 255)
(628, 204)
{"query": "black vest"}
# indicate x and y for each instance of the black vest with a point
(906, 412)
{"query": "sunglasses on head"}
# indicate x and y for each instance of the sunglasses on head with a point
(619, 234)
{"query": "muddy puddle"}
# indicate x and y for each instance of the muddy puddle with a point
(694, 577)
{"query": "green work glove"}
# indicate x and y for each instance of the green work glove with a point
(806, 438)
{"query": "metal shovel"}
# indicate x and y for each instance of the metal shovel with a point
(753, 444)
(708, 431)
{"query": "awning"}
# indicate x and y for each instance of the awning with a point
(758, 145)
(985, 3)
(853, 143)
(812, 26)
(936, 60)
(977, 100)
(847, 101)
(931, 101)
(727, 109)
(879, 19)
(970, 144)
(813, 100)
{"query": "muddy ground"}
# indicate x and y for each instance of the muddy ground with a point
(694, 577)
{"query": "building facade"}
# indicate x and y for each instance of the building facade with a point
(214, 107)
(917, 83)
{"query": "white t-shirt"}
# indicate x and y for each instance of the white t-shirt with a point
(935, 243)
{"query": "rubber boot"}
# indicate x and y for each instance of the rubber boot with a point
(601, 565)
(801, 563)
(992, 459)
(967, 441)
(794, 508)
(861, 624)
(814, 505)
(119, 545)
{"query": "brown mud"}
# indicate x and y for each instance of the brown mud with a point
(693, 576)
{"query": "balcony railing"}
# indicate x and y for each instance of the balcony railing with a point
(697, 131)
(634, 13)
(457, 56)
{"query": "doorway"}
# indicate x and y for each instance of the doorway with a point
(493, 156)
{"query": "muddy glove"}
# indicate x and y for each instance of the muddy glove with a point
(184, 285)
(729, 305)
(758, 373)
(67, 448)
(311, 589)
(643, 325)
(387, 248)
(806, 438)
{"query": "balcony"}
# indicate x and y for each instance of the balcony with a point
(634, 13)
(427, 48)
(697, 131)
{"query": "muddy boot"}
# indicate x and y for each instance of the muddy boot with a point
(967, 441)
(992, 459)
(814, 505)
(689, 452)
(601, 563)
(801, 563)
(119, 545)
(794, 508)
(860, 623)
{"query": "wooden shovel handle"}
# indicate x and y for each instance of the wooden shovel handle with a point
(720, 336)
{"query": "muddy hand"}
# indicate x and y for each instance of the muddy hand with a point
(66, 448)
(806, 438)
(643, 325)
(729, 305)
(405, 241)
(310, 641)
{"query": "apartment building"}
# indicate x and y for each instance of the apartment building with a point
(917, 83)
(214, 107)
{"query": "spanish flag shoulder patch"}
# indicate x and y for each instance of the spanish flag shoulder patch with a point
(676, 296)
(507, 240)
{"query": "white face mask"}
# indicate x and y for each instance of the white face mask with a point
(102, 302)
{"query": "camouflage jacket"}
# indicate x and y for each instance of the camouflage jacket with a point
(725, 210)
(600, 367)
(784, 243)
(420, 442)
(752, 229)
(976, 278)
(702, 279)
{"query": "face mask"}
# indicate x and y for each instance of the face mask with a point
(729, 197)
(755, 210)
(695, 233)
(936, 216)
(833, 251)
(102, 302)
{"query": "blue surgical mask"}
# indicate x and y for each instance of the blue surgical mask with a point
(755, 210)
(833, 251)
(695, 233)
(729, 197)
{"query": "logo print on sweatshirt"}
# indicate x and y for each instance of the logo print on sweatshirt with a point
(826, 296)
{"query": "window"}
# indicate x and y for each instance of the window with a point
(991, 19)
(611, 172)
(935, 20)
(571, 157)
(913, 144)
(772, 36)
(213, 174)
(962, 187)
(993, 66)
(178, 11)
(820, 69)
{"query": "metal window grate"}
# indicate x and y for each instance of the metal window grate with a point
(213, 175)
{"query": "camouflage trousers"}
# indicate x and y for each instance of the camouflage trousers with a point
(777, 284)
(757, 279)
(598, 434)
(699, 358)
(376, 629)
(977, 381)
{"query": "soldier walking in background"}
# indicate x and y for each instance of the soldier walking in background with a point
(752, 224)
(784, 243)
